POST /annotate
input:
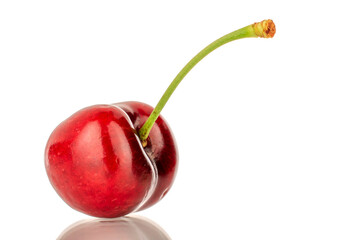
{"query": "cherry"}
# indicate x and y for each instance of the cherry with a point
(98, 165)
(111, 160)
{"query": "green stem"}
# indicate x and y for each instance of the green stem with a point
(264, 29)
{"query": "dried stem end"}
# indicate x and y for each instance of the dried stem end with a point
(264, 29)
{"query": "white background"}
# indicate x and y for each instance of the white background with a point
(268, 130)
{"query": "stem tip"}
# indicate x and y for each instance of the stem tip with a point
(264, 29)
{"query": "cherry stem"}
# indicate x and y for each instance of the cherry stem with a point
(264, 29)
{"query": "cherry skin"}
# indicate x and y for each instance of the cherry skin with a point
(97, 164)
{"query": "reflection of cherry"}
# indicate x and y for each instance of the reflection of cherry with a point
(104, 160)
(130, 228)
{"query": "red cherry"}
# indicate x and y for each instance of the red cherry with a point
(97, 164)
(110, 160)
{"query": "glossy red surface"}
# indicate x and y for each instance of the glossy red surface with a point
(97, 165)
(161, 147)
